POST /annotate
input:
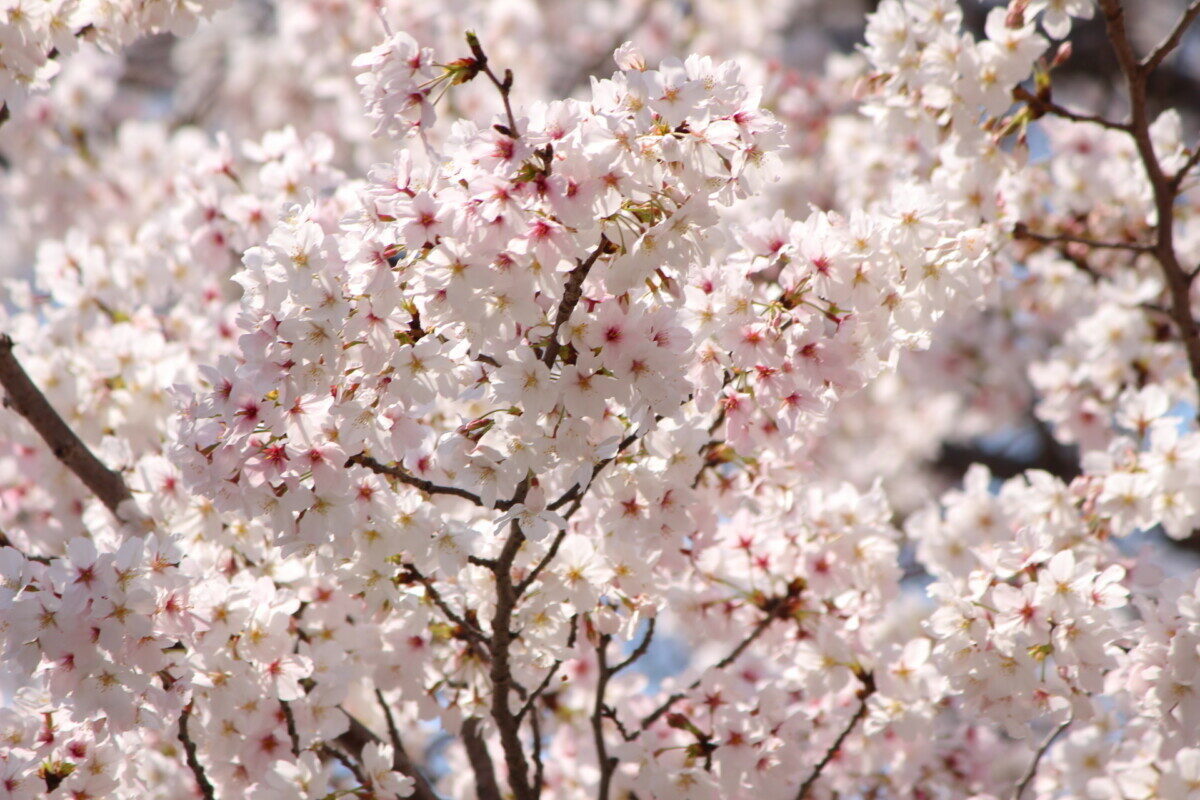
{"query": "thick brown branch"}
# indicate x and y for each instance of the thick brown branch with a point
(486, 787)
(501, 675)
(1051, 456)
(539, 767)
(357, 736)
(27, 400)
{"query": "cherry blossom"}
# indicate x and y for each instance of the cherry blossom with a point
(511, 401)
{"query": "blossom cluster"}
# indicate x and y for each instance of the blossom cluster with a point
(486, 427)
(34, 34)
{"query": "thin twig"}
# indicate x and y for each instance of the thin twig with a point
(640, 650)
(193, 761)
(577, 491)
(7, 542)
(503, 86)
(1037, 758)
(1192, 159)
(543, 563)
(401, 761)
(429, 487)
(1046, 106)
(625, 733)
(575, 496)
(536, 693)
(290, 719)
(572, 292)
(868, 689)
(606, 763)
(733, 655)
(1178, 280)
(26, 399)
(1164, 49)
(475, 636)
(1020, 231)
(346, 762)
(541, 687)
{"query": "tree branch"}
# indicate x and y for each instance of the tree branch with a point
(1168, 45)
(1192, 159)
(502, 86)
(27, 400)
(539, 768)
(346, 761)
(475, 638)
(6, 542)
(193, 762)
(576, 492)
(571, 294)
(429, 487)
(550, 673)
(1177, 279)
(606, 763)
(401, 761)
(1037, 758)
(868, 689)
(501, 675)
(1041, 106)
(357, 736)
(733, 655)
(1021, 231)
(640, 650)
(290, 719)
(486, 787)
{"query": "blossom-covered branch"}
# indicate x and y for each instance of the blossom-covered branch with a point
(23, 397)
